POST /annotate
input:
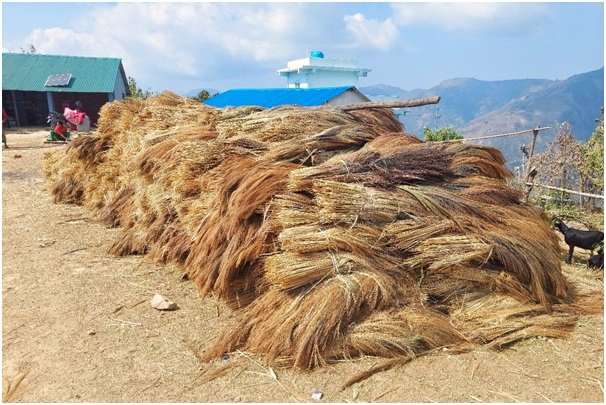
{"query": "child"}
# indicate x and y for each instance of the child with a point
(59, 133)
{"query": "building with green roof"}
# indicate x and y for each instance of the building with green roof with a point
(33, 85)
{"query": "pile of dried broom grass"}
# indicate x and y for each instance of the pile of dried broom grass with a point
(335, 233)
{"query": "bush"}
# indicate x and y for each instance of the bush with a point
(442, 134)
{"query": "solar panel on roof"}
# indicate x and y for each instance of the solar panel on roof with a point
(58, 80)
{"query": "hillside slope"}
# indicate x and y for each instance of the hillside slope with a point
(462, 100)
(576, 100)
(477, 108)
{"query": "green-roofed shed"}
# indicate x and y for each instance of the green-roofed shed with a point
(33, 85)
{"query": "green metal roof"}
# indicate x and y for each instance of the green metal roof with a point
(29, 72)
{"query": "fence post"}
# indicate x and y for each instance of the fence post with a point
(581, 189)
(531, 171)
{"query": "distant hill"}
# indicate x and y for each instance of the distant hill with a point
(477, 108)
(576, 100)
(384, 90)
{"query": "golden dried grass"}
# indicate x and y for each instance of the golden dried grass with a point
(335, 233)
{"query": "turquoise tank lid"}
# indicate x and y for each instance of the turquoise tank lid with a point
(317, 54)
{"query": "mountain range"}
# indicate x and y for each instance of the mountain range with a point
(477, 108)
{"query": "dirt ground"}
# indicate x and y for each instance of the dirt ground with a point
(77, 326)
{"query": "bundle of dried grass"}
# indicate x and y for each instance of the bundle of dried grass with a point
(335, 233)
(377, 164)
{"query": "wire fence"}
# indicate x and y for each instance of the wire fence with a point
(526, 131)
(529, 184)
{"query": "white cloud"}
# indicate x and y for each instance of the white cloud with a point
(192, 42)
(179, 38)
(490, 17)
(62, 41)
(371, 32)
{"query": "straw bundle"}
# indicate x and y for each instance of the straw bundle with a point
(335, 233)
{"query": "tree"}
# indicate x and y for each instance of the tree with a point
(568, 164)
(592, 161)
(137, 92)
(31, 49)
(441, 134)
(202, 96)
(559, 165)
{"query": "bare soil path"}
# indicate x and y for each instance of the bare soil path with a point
(77, 326)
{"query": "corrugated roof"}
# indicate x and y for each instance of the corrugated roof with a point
(29, 72)
(273, 97)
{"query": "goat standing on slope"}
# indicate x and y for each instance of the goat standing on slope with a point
(577, 238)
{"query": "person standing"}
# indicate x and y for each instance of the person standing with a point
(4, 121)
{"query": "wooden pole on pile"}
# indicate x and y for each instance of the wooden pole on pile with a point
(414, 102)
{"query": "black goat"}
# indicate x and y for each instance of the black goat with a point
(576, 238)
(597, 261)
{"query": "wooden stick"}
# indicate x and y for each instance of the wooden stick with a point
(385, 393)
(498, 135)
(567, 191)
(128, 322)
(531, 171)
(75, 250)
(414, 102)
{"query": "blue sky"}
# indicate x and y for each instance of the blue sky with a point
(185, 46)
